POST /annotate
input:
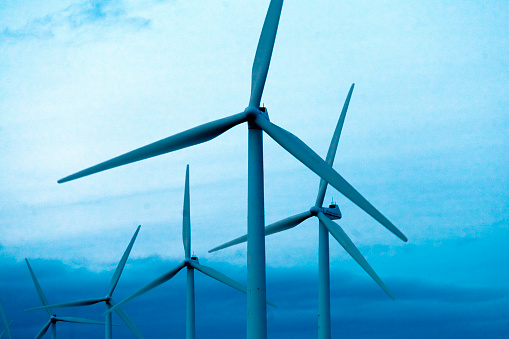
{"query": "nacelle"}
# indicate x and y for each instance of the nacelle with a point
(332, 212)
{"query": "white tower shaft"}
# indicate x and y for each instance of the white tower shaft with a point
(256, 283)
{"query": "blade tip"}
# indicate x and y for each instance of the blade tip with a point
(65, 179)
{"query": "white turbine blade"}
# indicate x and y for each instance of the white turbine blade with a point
(264, 52)
(343, 239)
(218, 276)
(276, 227)
(121, 264)
(186, 221)
(39, 289)
(83, 302)
(309, 158)
(153, 284)
(5, 322)
(43, 330)
(125, 318)
(193, 136)
(79, 320)
(230, 243)
(287, 223)
(222, 278)
(333, 148)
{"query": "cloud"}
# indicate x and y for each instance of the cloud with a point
(423, 309)
(89, 14)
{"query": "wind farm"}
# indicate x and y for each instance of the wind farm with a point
(422, 148)
(258, 121)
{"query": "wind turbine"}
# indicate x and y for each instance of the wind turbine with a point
(325, 216)
(106, 299)
(6, 329)
(258, 122)
(191, 263)
(53, 319)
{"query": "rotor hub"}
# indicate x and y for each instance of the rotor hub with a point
(252, 112)
(314, 210)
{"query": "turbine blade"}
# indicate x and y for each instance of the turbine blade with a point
(125, 318)
(38, 288)
(276, 227)
(218, 276)
(193, 136)
(43, 330)
(121, 264)
(153, 284)
(186, 222)
(5, 322)
(84, 302)
(343, 239)
(309, 158)
(230, 243)
(222, 278)
(333, 148)
(79, 320)
(287, 223)
(264, 52)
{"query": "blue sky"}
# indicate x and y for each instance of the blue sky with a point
(425, 140)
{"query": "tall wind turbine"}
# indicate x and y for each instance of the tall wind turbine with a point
(258, 121)
(53, 319)
(107, 299)
(191, 263)
(326, 226)
(6, 329)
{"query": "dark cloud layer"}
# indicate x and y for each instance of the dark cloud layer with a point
(423, 309)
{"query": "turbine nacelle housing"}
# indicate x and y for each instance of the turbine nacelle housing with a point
(332, 212)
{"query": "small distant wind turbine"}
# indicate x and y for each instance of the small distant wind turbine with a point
(258, 122)
(326, 225)
(191, 263)
(6, 324)
(53, 319)
(5, 331)
(106, 299)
